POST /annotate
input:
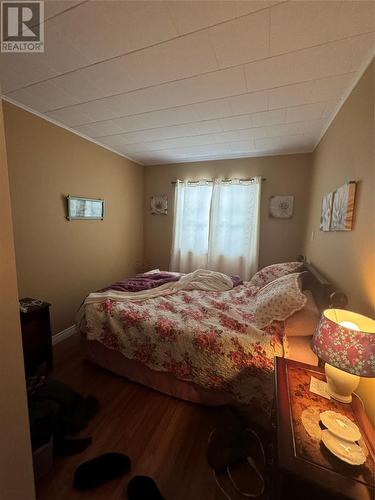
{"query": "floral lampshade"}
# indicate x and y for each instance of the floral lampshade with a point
(346, 340)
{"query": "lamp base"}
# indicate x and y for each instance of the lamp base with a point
(340, 384)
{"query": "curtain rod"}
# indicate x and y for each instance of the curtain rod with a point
(223, 180)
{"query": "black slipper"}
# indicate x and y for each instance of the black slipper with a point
(101, 469)
(143, 488)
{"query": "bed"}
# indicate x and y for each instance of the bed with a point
(199, 346)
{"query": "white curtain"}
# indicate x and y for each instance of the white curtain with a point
(191, 226)
(216, 226)
(234, 227)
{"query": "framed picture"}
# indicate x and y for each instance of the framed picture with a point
(326, 213)
(85, 208)
(159, 204)
(343, 207)
(281, 206)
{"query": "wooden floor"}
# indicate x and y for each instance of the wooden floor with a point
(165, 438)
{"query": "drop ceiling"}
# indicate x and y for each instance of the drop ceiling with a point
(165, 82)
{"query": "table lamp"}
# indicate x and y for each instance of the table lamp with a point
(346, 342)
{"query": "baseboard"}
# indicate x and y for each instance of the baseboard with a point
(64, 334)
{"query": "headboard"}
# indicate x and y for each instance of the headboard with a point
(325, 294)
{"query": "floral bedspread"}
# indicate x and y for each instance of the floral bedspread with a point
(204, 337)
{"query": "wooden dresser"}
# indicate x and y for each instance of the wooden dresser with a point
(36, 334)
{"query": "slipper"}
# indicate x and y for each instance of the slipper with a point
(101, 469)
(143, 488)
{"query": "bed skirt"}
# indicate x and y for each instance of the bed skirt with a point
(163, 382)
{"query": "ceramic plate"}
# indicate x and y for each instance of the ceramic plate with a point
(340, 425)
(349, 452)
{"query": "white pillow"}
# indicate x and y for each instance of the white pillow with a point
(278, 300)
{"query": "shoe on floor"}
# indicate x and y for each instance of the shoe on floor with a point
(143, 488)
(101, 469)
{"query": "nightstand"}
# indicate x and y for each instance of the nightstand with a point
(36, 334)
(303, 467)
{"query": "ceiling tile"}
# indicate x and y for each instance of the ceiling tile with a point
(71, 116)
(153, 119)
(318, 62)
(123, 27)
(201, 88)
(60, 53)
(173, 60)
(340, 57)
(285, 129)
(296, 25)
(269, 118)
(190, 16)
(236, 122)
(213, 109)
(234, 135)
(20, 70)
(198, 140)
(78, 85)
(208, 126)
(99, 129)
(42, 97)
(243, 146)
(309, 92)
(297, 143)
(242, 40)
(307, 112)
(54, 7)
(248, 103)
(248, 6)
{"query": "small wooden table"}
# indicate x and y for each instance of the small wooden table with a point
(304, 468)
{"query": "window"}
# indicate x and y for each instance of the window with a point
(216, 226)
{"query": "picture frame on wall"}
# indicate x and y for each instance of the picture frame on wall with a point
(326, 212)
(159, 204)
(80, 208)
(281, 206)
(343, 207)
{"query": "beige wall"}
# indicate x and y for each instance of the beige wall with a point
(345, 153)
(57, 260)
(16, 473)
(280, 240)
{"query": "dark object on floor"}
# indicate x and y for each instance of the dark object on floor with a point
(101, 469)
(143, 488)
(229, 444)
(232, 445)
(55, 410)
(74, 410)
(66, 447)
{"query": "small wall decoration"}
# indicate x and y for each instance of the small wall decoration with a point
(159, 204)
(326, 214)
(343, 207)
(85, 208)
(281, 206)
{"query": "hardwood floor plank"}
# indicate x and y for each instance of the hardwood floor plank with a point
(165, 438)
